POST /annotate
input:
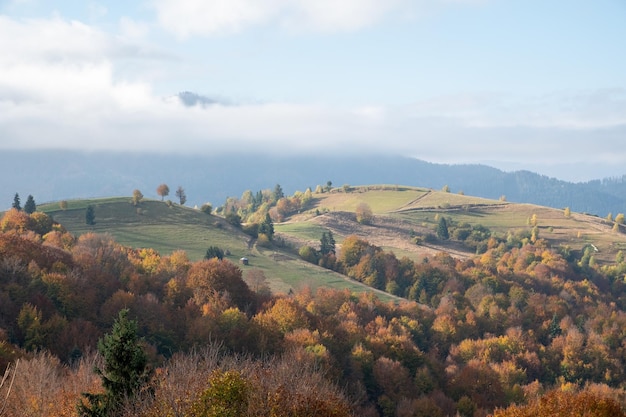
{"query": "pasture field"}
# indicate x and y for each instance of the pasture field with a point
(400, 214)
(155, 224)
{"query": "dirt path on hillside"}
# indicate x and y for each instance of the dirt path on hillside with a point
(410, 204)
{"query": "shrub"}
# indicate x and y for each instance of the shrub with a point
(214, 252)
(234, 219)
(263, 240)
(308, 254)
(251, 229)
(364, 214)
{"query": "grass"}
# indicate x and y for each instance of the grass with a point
(301, 230)
(153, 224)
(380, 200)
(552, 224)
(167, 228)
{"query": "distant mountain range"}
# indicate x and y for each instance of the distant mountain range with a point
(57, 175)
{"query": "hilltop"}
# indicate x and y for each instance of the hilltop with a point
(404, 222)
(401, 213)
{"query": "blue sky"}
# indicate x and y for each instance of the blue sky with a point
(537, 85)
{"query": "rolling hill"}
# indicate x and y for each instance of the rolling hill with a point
(520, 318)
(401, 216)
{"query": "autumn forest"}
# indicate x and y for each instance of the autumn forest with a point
(520, 328)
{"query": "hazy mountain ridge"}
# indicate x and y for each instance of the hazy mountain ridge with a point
(55, 175)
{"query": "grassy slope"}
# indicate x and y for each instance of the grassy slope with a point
(399, 210)
(171, 228)
(415, 209)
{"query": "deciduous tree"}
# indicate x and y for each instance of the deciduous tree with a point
(163, 190)
(209, 277)
(15, 219)
(558, 403)
(137, 197)
(364, 214)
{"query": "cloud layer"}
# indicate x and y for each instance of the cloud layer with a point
(60, 88)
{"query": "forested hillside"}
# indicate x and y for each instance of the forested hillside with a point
(485, 332)
(213, 178)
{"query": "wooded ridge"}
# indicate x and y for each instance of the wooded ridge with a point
(491, 304)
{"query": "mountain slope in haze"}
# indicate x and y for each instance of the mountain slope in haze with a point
(52, 175)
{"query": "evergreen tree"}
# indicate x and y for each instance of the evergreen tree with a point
(258, 200)
(442, 229)
(324, 244)
(278, 193)
(327, 243)
(554, 329)
(125, 369)
(267, 227)
(90, 216)
(214, 252)
(16, 202)
(30, 206)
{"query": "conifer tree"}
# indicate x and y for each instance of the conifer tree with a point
(30, 206)
(16, 202)
(327, 243)
(442, 229)
(90, 216)
(267, 227)
(278, 193)
(125, 369)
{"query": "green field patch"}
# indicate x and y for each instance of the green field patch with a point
(379, 200)
(301, 230)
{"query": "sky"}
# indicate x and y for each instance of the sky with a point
(515, 84)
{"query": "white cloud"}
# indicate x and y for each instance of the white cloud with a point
(563, 110)
(332, 15)
(214, 17)
(190, 17)
(60, 88)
